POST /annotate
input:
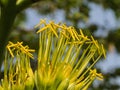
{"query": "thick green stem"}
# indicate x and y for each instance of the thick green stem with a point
(8, 14)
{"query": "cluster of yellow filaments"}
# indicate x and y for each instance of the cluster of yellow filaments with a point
(66, 60)
(18, 74)
(64, 57)
(19, 47)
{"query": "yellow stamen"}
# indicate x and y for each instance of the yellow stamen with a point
(81, 33)
(10, 51)
(95, 74)
(43, 21)
(42, 29)
(75, 42)
(63, 33)
(76, 34)
(104, 53)
(95, 42)
(53, 29)
(18, 46)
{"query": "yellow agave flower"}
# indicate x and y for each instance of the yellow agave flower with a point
(64, 58)
(19, 74)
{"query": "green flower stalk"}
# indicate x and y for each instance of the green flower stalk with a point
(66, 60)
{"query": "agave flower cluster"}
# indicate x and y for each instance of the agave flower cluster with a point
(18, 74)
(66, 60)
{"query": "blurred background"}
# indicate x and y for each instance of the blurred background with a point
(101, 18)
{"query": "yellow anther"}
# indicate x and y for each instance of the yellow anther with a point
(88, 42)
(53, 30)
(42, 29)
(75, 42)
(31, 50)
(63, 33)
(104, 53)
(43, 21)
(75, 34)
(81, 33)
(10, 51)
(70, 32)
(95, 42)
(94, 74)
(19, 47)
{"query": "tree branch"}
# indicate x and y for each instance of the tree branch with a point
(25, 3)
